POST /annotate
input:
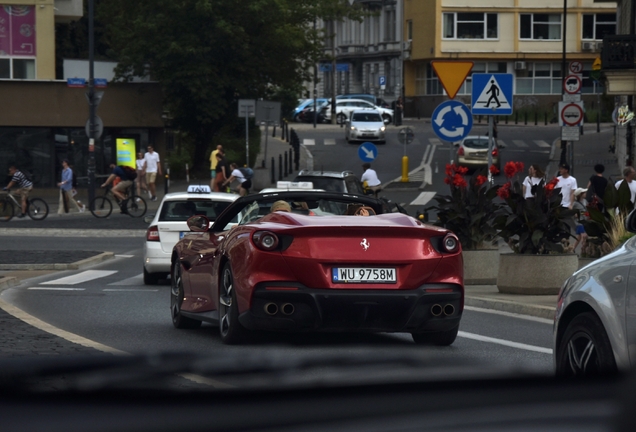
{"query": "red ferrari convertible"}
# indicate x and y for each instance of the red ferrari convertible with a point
(317, 261)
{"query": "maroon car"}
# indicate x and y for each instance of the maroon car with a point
(329, 262)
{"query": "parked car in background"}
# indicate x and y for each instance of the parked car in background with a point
(169, 225)
(307, 114)
(368, 97)
(344, 108)
(472, 152)
(336, 181)
(365, 126)
(304, 105)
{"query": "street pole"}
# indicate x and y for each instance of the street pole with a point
(91, 101)
(315, 79)
(490, 145)
(247, 137)
(564, 144)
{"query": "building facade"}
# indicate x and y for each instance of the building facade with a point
(364, 52)
(521, 37)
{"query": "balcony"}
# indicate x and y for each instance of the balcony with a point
(618, 62)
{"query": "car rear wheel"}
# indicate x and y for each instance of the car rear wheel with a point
(230, 329)
(150, 278)
(176, 299)
(442, 338)
(585, 348)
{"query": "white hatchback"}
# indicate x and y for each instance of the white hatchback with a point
(169, 225)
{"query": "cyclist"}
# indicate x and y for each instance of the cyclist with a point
(120, 189)
(371, 178)
(24, 187)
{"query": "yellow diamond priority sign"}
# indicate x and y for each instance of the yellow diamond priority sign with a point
(452, 74)
(597, 64)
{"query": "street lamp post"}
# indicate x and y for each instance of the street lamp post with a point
(91, 102)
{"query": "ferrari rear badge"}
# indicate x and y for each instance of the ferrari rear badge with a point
(365, 244)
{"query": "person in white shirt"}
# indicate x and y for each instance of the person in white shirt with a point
(371, 177)
(568, 185)
(628, 175)
(153, 168)
(535, 175)
(244, 183)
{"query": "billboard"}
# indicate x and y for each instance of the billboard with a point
(126, 148)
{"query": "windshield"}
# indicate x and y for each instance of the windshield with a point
(476, 143)
(325, 183)
(366, 117)
(178, 211)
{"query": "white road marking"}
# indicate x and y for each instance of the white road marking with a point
(309, 141)
(504, 342)
(130, 290)
(542, 143)
(501, 143)
(135, 280)
(435, 141)
(509, 314)
(519, 143)
(330, 141)
(80, 277)
(423, 198)
(124, 256)
(54, 289)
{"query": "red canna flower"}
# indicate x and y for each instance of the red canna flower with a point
(450, 169)
(504, 191)
(480, 180)
(458, 181)
(510, 169)
(462, 170)
(493, 170)
(549, 187)
(448, 180)
(520, 167)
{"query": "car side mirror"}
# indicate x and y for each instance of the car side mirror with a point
(198, 223)
(630, 222)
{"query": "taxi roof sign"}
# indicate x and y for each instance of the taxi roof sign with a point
(452, 74)
(199, 189)
(294, 185)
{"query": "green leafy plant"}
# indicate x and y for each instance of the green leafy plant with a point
(533, 226)
(468, 209)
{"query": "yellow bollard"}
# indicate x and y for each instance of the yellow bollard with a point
(405, 169)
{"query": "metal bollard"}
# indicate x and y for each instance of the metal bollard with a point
(166, 184)
(274, 131)
(290, 161)
(535, 118)
(525, 118)
(285, 166)
(516, 116)
(507, 119)
(280, 167)
(287, 131)
(545, 118)
(273, 171)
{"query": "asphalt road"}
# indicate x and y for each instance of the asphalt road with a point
(113, 307)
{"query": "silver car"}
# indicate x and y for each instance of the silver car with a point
(365, 126)
(472, 152)
(595, 320)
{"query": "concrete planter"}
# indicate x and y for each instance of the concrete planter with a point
(481, 266)
(534, 274)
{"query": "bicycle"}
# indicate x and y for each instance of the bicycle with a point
(37, 208)
(134, 205)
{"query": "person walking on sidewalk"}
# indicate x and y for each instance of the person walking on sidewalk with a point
(628, 175)
(534, 177)
(66, 191)
(213, 162)
(153, 168)
(597, 184)
(140, 164)
(25, 186)
(568, 185)
(221, 172)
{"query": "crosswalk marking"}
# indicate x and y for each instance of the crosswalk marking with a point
(423, 198)
(330, 141)
(80, 277)
(123, 256)
(309, 141)
(129, 290)
(435, 141)
(54, 289)
(519, 143)
(541, 143)
(135, 280)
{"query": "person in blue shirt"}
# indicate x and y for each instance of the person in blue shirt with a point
(66, 190)
(120, 189)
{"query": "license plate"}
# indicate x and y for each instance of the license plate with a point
(363, 275)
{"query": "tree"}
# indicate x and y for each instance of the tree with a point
(207, 54)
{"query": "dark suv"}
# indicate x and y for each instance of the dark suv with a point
(345, 181)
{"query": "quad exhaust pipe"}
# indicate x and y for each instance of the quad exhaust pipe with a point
(272, 308)
(437, 310)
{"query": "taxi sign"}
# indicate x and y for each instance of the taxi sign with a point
(199, 189)
(452, 74)
(294, 185)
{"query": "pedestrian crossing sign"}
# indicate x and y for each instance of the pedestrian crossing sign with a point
(492, 94)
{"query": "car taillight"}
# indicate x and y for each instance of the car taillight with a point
(450, 243)
(265, 240)
(460, 152)
(152, 234)
(495, 152)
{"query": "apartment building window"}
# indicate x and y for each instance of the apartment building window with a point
(389, 25)
(595, 26)
(539, 78)
(409, 30)
(17, 42)
(470, 26)
(540, 26)
(17, 68)
(481, 67)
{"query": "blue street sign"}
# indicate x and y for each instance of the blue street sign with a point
(76, 82)
(452, 121)
(100, 82)
(492, 94)
(382, 80)
(340, 67)
(367, 152)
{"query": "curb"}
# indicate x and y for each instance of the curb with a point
(512, 307)
(56, 266)
(8, 282)
(65, 232)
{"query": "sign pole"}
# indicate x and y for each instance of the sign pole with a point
(247, 137)
(490, 146)
(91, 108)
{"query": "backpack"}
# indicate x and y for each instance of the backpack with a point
(27, 175)
(248, 173)
(131, 173)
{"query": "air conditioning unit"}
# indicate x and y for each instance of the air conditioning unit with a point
(406, 55)
(588, 46)
(599, 46)
(407, 46)
(520, 65)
